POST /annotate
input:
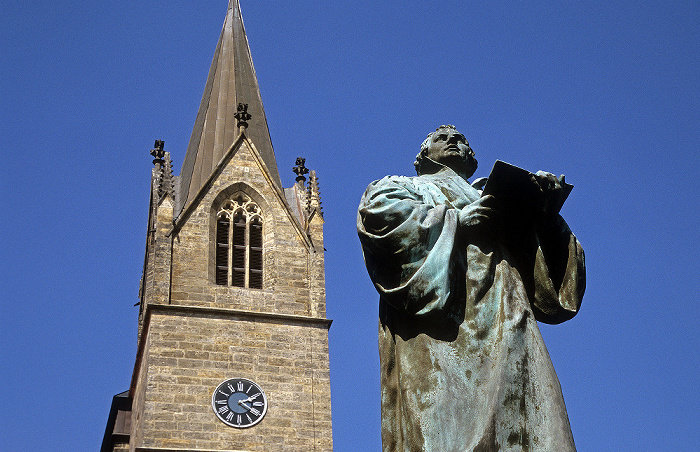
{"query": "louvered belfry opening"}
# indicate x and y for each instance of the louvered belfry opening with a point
(255, 258)
(239, 249)
(222, 248)
(239, 243)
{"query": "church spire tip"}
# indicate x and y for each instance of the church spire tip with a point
(231, 83)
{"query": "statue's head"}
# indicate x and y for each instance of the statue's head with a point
(448, 147)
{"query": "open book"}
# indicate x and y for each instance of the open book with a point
(515, 192)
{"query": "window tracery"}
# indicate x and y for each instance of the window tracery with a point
(239, 243)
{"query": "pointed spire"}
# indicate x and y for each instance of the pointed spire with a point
(231, 81)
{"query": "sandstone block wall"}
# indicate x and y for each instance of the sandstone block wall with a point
(287, 280)
(192, 352)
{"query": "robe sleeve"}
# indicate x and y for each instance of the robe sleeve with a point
(408, 245)
(559, 273)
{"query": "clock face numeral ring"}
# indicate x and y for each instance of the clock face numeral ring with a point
(239, 403)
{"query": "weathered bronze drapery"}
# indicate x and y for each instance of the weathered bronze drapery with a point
(462, 281)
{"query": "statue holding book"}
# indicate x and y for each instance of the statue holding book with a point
(464, 272)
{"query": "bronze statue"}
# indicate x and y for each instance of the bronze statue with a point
(463, 276)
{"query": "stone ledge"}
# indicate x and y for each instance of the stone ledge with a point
(170, 449)
(221, 312)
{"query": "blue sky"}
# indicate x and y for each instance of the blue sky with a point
(606, 92)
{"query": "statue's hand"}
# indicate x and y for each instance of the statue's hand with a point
(548, 181)
(480, 183)
(478, 213)
(551, 191)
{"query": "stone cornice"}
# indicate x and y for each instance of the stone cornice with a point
(253, 315)
(169, 449)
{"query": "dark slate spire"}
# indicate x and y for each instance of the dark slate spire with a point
(231, 81)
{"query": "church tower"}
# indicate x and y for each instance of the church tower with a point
(233, 337)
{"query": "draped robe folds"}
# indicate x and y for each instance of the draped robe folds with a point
(463, 364)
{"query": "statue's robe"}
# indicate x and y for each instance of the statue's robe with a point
(463, 364)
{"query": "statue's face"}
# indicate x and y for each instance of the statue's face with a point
(449, 147)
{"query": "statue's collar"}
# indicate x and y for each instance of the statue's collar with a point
(446, 186)
(430, 167)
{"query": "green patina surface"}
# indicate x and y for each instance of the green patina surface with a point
(462, 283)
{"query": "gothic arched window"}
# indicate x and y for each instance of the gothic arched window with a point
(239, 243)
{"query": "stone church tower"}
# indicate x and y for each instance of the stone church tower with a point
(233, 336)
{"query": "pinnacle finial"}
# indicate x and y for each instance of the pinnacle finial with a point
(300, 170)
(166, 185)
(314, 195)
(158, 153)
(242, 115)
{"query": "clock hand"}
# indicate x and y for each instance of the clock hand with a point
(249, 408)
(251, 398)
(242, 403)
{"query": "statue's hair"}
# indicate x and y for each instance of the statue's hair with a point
(426, 144)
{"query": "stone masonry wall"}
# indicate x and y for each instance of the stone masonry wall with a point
(192, 352)
(286, 276)
(138, 393)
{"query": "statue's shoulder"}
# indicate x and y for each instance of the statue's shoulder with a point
(394, 180)
(393, 183)
(391, 187)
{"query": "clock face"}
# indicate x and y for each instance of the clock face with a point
(239, 402)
